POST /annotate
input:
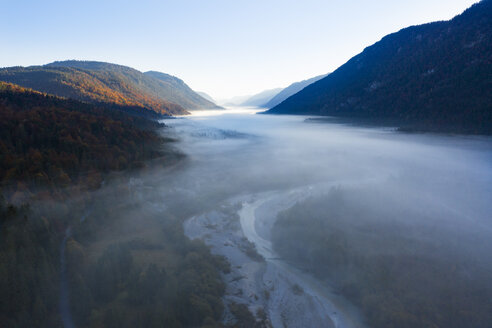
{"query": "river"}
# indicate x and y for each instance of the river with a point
(254, 166)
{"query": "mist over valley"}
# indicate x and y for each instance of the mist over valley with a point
(355, 199)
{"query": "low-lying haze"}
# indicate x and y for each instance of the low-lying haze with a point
(405, 185)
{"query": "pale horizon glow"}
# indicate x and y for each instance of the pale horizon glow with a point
(221, 47)
(230, 110)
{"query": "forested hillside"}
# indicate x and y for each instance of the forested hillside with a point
(49, 141)
(433, 77)
(68, 255)
(160, 85)
(173, 89)
(95, 83)
(402, 268)
(150, 276)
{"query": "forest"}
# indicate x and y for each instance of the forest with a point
(46, 141)
(434, 77)
(63, 166)
(111, 85)
(158, 279)
(355, 199)
(399, 266)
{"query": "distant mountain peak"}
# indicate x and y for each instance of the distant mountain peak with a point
(259, 99)
(291, 90)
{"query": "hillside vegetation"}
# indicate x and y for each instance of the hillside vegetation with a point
(175, 90)
(402, 267)
(148, 276)
(50, 141)
(124, 266)
(432, 77)
(98, 82)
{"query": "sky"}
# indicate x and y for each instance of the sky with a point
(225, 48)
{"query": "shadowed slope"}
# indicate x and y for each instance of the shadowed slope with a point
(173, 89)
(434, 77)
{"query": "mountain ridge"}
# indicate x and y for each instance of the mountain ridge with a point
(259, 99)
(164, 86)
(186, 96)
(206, 96)
(97, 82)
(291, 90)
(431, 77)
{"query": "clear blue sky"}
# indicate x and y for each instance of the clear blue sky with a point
(222, 47)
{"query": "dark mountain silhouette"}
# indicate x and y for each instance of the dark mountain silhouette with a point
(291, 90)
(432, 77)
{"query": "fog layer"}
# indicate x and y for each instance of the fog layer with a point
(438, 186)
(301, 209)
(242, 152)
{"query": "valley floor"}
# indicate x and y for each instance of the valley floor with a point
(268, 285)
